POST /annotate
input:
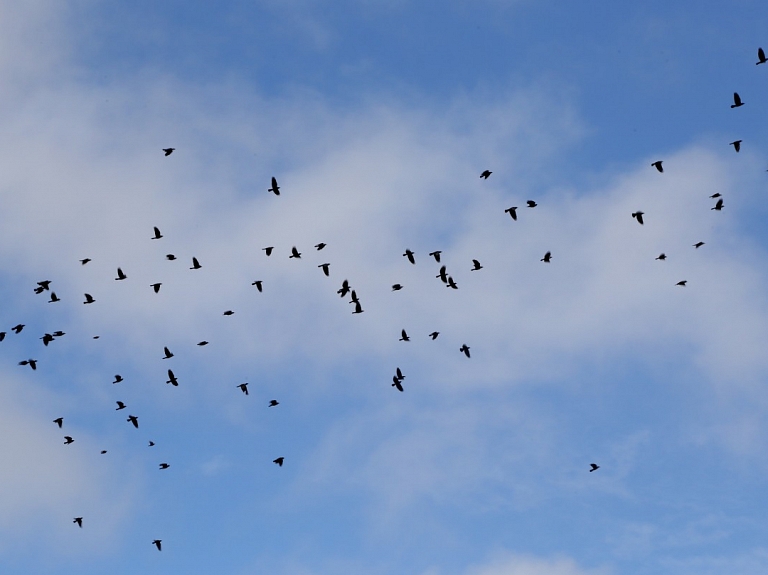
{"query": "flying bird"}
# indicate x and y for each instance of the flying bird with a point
(47, 338)
(59, 421)
(657, 165)
(736, 100)
(68, 440)
(279, 461)
(17, 328)
(531, 204)
(273, 403)
(79, 521)
(120, 405)
(465, 349)
(682, 283)
(164, 465)
(718, 205)
(151, 444)
(512, 212)
(168, 354)
(325, 268)
(399, 374)
(172, 379)
(485, 174)
(434, 335)
(594, 467)
(134, 420)
(760, 57)
(103, 451)
(85, 261)
(257, 283)
(202, 343)
(697, 245)
(294, 253)
(170, 257)
(717, 195)
(89, 298)
(353, 297)
(344, 288)
(320, 246)
(736, 145)
(404, 336)
(118, 378)
(120, 275)
(168, 151)
(157, 543)
(229, 312)
(268, 250)
(39, 290)
(396, 383)
(244, 388)
(396, 287)
(547, 258)
(442, 275)
(30, 362)
(45, 284)
(58, 333)
(639, 217)
(436, 254)
(451, 283)
(358, 307)
(409, 254)
(195, 264)
(662, 257)
(156, 287)
(476, 266)
(54, 298)
(157, 235)
(275, 188)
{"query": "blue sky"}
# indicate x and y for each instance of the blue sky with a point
(377, 119)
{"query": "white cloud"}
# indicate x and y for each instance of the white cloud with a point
(521, 565)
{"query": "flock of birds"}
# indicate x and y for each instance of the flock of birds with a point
(344, 291)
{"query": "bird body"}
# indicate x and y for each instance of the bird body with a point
(156, 287)
(547, 258)
(59, 421)
(120, 405)
(358, 307)
(451, 283)
(442, 275)
(531, 204)
(134, 420)
(85, 261)
(639, 217)
(512, 212)
(697, 245)
(118, 378)
(157, 235)
(434, 335)
(164, 465)
(397, 287)
(325, 268)
(17, 328)
(229, 312)
(396, 383)
(79, 521)
(736, 145)
(258, 283)
(658, 166)
(485, 174)
(120, 275)
(157, 543)
(436, 254)
(662, 257)
(244, 388)
(465, 349)
(594, 467)
(170, 257)
(344, 288)
(268, 250)
(273, 403)
(68, 440)
(736, 101)
(195, 264)
(168, 151)
(54, 298)
(409, 254)
(279, 461)
(682, 283)
(320, 246)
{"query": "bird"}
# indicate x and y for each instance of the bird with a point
(68, 440)
(353, 297)
(465, 348)
(736, 145)
(168, 354)
(358, 307)
(17, 328)
(760, 57)
(404, 336)
(268, 250)
(273, 403)
(639, 217)
(396, 287)
(697, 245)
(594, 467)
(476, 266)
(54, 298)
(2, 335)
(434, 335)
(118, 378)
(103, 451)
(279, 461)
(512, 212)
(718, 205)
(344, 288)
(45, 284)
(120, 275)
(485, 174)
(717, 195)
(195, 264)
(682, 283)
(88, 299)
(59, 421)
(275, 188)
(202, 343)
(258, 283)
(85, 261)
(399, 374)
(436, 254)
(325, 269)
(547, 258)
(47, 338)
(228, 312)
(170, 257)
(165, 465)
(134, 420)
(30, 362)
(442, 275)
(157, 235)
(320, 246)
(151, 444)
(409, 254)
(172, 379)
(396, 383)
(120, 405)
(736, 100)
(451, 283)
(168, 151)
(157, 543)
(294, 253)
(531, 204)
(244, 388)
(39, 290)
(156, 287)
(79, 521)
(58, 333)
(662, 257)
(657, 165)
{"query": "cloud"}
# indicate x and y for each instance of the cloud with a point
(521, 565)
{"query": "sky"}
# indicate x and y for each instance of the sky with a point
(377, 119)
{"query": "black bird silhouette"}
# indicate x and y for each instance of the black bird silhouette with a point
(465, 348)
(2, 335)
(697, 245)
(120, 405)
(717, 195)
(39, 290)
(46, 284)
(485, 174)
(358, 307)
(476, 266)
(434, 335)
(436, 254)
(657, 165)
(325, 267)
(17, 328)
(273, 403)
(279, 461)
(275, 188)
(229, 312)
(165, 465)
(353, 296)
(89, 298)
(195, 264)
(718, 205)
(512, 212)
(396, 287)
(120, 275)
(294, 253)
(547, 258)
(157, 543)
(344, 288)
(257, 283)
(30, 362)
(531, 204)
(320, 246)
(168, 354)
(639, 217)
(244, 388)
(736, 100)
(58, 333)
(662, 257)
(156, 287)
(170, 257)
(158, 235)
(682, 283)
(442, 275)
(68, 440)
(172, 379)
(134, 420)
(168, 151)
(103, 451)
(202, 343)
(47, 338)
(268, 250)
(54, 298)
(59, 421)
(736, 145)
(594, 467)
(409, 254)
(79, 521)
(397, 384)
(118, 378)
(151, 444)
(760, 57)
(451, 283)
(85, 261)
(404, 336)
